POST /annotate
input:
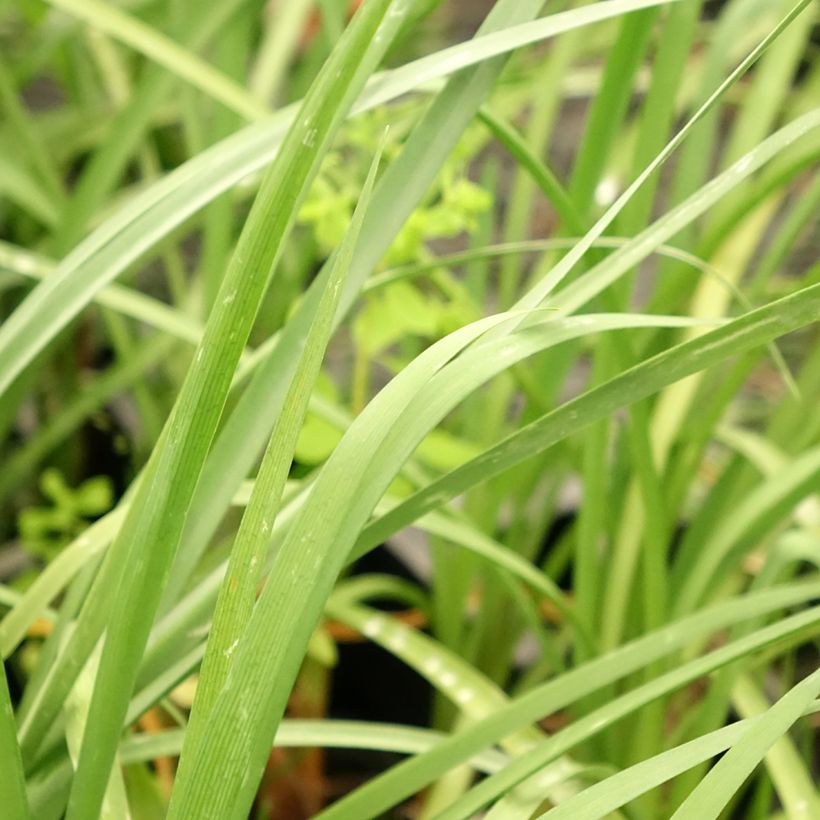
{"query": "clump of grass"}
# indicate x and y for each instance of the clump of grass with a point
(230, 299)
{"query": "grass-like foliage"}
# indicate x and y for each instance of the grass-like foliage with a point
(442, 396)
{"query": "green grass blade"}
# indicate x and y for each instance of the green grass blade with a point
(790, 773)
(156, 515)
(88, 628)
(326, 734)
(713, 793)
(599, 800)
(260, 714)
(157, 314)
(459, 533)
(546, 180)
(611, 540)
(658, 108)
(618, 708)
(28, 136)
(753, 329)
(561, 270)
(310, 543)
(413, 775)
(238, 591)
(20, 186)
(124, 300)
(292, 734)
(495, 43)
(279, 44)
(115, 803)
(763, 102)
(152, 215)
(606, 272)
(432, 395)
(609, 106)
(505, 249)
(55, 577)
(401, 188)
(108, 162)
(12, 782)
(471, 538)
(164, 51)
(467, 688)
(755, 515)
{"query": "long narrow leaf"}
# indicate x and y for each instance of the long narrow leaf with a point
(410, 776)
(716, 789)
(154, 520)
(754, 328)
(599, 800)
(238, 591)
(12, 782)
(128, 235)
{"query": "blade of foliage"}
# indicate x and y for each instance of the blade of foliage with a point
(541, 173)
(238, 591)
(398, 192)
(750, 330)
(62, 672)
(115, 802)
(784, 139)
(595, 280)
(314, 550)
(513, 248)
(461, 533)
(602, 798)
(529, 763)
(791, 775)
(131, 233)
(610, 105)
(124, 300)
(560, 271)
(762, 507)
(238, 765)
(659, 107)
(165, 52)
(713, 793)
(155, 518)
(55, 576)
(26, 192)
(409, 777)
(12, 783)
(28, 136)
(328, 734)
(531, 459)
(468, 689)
